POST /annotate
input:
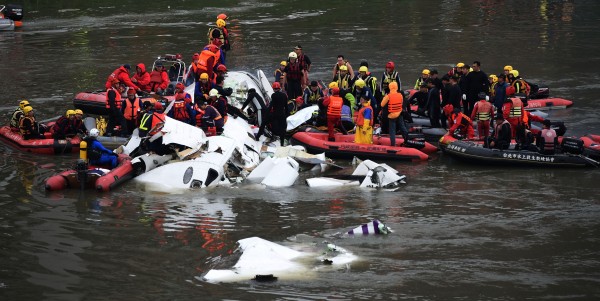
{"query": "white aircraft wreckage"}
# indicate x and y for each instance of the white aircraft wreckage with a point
(367, 174)
(263, 260)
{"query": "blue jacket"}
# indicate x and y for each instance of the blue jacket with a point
(500, 95)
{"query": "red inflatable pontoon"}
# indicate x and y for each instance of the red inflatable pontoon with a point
(48, 146)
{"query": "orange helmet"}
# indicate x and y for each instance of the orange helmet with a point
(448, 109)
(276, 85)
(222, 17)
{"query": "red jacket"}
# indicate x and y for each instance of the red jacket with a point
(159, 79)
(143, 78)
(122, 75)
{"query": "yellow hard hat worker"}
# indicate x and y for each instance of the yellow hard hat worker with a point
(27, 109)
(221, 23)
(460, 65)
(508, 68)
(23, 103)
(425, 72)
(283, 63)
(204, 76)
(363, 69)
(70, 113)
(514, 72)
(494, 78)
(360, 83)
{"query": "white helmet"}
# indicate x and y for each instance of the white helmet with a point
(293, 55)
(94, 132)
(213, 92)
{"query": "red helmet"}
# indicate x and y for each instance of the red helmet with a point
(221, 68)
(510, 91)
(276, 86)
(448, 109)
(180, 86)
(212, 48)
(222, 17)
(335, 91)
(158, 106)
(299, 100)
(178, 56)
(390, 65)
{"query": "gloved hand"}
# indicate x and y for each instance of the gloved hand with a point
(464, 97)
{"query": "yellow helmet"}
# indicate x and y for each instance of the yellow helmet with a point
(27, 109)
(514, 72)
(460, 65)
(494, 78)
(78, 112)
(508, 68)
(70, 113)
(363, 69)
(283, 63)
(204, 75)
(333, 85)
(360, 83)
(23, 103)
(425, 71)
(221, 23)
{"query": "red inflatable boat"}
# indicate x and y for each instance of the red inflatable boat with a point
(344, 147)
(48, 146)
(95, 102)
(93, 177)
(552, 103)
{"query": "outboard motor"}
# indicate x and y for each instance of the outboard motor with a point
(572, 146)
(13, 12)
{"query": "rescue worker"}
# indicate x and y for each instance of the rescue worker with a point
(219, 35)
(507, 69)
(312, 94)
(142, 78)
(253, 116)
(207, 61)
(521, 86)
(513, 108)
(334, 105)
(97, 154)
(182, 108)
(393, 101)
(502, 133)
(341, 61)
(305, 62)
(130, 108)
(389, 75)
(434, 104)
(121, 74)
(62, 127)
(211, 118)
(219, 102)
(28, 127)
(203, 87)
(364, 123)
(370, 81)
(77, 125)
(483, 111)
(115, 116)
(477, 82)
(454, 93)
(456, 70)
(524, 139)
(493, 80)
(343, 78)
(159, 79)
(278, 74)
(361, 89)
(347, 118)
(293, 76)
(278, 111)
(421, 80)
(420, 99)
(18, 114)
(500, 92)
(150, 124)
(460, 124)
(547, 138)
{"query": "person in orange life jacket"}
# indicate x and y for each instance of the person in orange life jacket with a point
(141, 78)
(460, 124)
(122, 75)
(477, 81)
(393, 102)
(278, 74)
(207, 61)
(502, 133)
(434, 103)
(334, 105)
(28, 126)
(547, 138)
(130, 108)
(62, 126)
(293, 76)
(364, 123)
(305, 63)
(77, 125)
(278, 111)
(483, 112)
(210, 117)
(182, 108)
(341, 61)
(97, 153)
(513, 108)
(521, 86)
(115, 116)
(159, 79)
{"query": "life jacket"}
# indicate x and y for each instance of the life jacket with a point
(343, 81)
(313, 97)
(516, 109)
(360, 118)
(388, 78)
(335, 106)
(493, 90)
(61, 125)
(302, 61)
(294, 70)
(183, 96)
(521, 86)
(464, 119)
(156, 119)
(180, 111)
(219, 35)
(371, 82)
(395, 103)
(114, 76)
(117, 99)
(131, 110)
(549, 135)
(337, 67)
(483, 110)
(22, 129)
(16, 117)
(205, 55)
